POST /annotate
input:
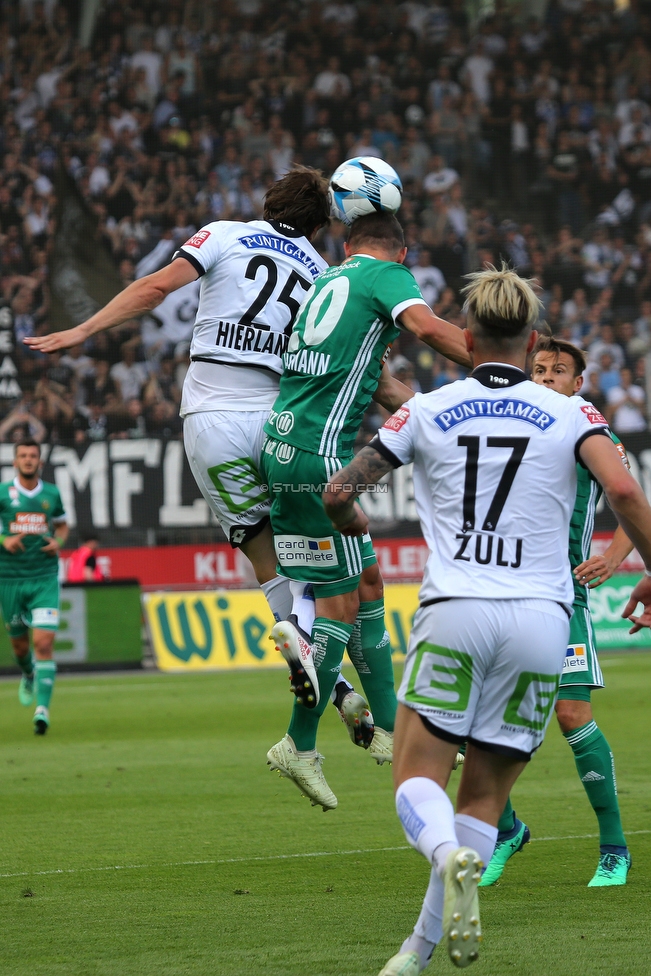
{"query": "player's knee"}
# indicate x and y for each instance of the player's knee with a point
(371, 585)
(43, 644)
(572, 714)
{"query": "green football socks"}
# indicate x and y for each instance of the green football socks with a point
(45, 675)
(596, 767)
(369, 649)
(26, 663)
(329, 639)
(506, 822)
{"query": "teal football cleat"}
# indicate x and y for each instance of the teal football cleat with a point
(612, 870)
(504, 850)
(27, 689)
(41, 720)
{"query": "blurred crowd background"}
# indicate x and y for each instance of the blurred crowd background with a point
(516, 137)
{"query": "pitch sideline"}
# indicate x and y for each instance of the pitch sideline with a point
(267, 857)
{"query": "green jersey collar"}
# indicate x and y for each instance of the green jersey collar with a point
(30, 492)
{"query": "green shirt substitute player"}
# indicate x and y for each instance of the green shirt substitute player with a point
(32, 530)
(332, 367)
(559, 365)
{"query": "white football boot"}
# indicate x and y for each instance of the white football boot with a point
(461, 928)
(305, 773)
(404, 964)
(294, 645)
(381, 748)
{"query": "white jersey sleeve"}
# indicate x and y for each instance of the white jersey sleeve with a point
(395, 440)
(203, 250)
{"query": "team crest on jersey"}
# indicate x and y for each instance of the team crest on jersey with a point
(593, 415)
(489, 409)
(398, 420)
(13, 494)
(199, 238)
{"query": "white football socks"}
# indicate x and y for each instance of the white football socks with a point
(427, 816)
(428, 930)
(431, 827)
(279, 597)
(478, 834)
(303, 604)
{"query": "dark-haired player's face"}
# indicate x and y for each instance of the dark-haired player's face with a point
(27, 461)
(557, 372)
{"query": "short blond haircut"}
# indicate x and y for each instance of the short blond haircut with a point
(501, 302)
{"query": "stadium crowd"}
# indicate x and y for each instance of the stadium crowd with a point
(519, 139)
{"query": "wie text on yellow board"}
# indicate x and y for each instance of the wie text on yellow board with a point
(228, 629)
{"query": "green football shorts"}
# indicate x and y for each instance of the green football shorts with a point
(307, 546)
(30, 603)
(581, 665)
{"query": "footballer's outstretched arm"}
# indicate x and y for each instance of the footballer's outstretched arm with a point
(437, 333)
(391, 393)
(137, 298)
(367, 468)
(633, 512)
(599, 568)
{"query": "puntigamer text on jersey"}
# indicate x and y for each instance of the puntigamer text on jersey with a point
(272, 243)
(517, 409)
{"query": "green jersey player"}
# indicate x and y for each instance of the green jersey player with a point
(32, 530)
(559, 365)
(332, 367)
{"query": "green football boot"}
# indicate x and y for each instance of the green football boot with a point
(27, 689)
(611, 870)
(505, 849)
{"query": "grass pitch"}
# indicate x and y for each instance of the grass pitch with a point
(145, 836)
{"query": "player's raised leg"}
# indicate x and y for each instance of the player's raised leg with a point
(223, 450)
(369, 650)
(333, 625)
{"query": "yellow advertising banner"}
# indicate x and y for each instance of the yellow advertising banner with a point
(227, 629)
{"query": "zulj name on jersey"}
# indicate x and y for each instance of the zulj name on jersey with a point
(247, 338)
(484, 552)
(517, 409)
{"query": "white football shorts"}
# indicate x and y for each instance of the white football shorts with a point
(223, 449)
(487, 671)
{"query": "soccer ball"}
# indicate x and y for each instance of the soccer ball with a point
(362, 186)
